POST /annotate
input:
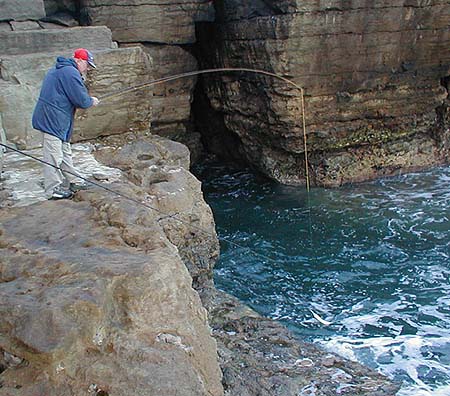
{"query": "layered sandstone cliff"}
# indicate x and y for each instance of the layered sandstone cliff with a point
(27, 55)
(375, 77)
(34, 32)
(100, 302)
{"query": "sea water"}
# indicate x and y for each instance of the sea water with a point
(372, 259)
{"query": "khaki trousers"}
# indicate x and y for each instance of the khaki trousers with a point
(57, 153)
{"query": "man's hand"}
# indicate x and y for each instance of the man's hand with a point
(95, 101)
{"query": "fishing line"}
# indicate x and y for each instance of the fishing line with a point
(256, 71)
(185, 75)
(144, 204)
(236, 69)
(221, 70)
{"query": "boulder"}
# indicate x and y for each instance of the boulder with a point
(19, 10)
(371, 74)
(140, 20)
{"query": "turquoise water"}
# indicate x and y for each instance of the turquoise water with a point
(373, 259)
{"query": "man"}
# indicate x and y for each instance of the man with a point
(62, 92)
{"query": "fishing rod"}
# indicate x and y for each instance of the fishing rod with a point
(222, 70)
(175, 216)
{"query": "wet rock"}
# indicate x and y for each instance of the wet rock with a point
(103, 302)
(10, 360)
(260, 357)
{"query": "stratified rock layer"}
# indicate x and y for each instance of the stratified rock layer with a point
(51, 40)
(161, 28)
(140, 20)
(21, 9)
(172, 100)
(372, 76)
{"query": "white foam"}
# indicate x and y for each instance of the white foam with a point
(407, 356)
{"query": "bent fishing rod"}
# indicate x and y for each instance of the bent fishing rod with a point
(224, 70)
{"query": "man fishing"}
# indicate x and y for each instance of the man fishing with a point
(62, 92)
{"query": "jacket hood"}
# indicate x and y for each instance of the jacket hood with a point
(63, 62)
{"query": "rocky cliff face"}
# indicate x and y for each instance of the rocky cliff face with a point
(373, 74)
(34, 32)
(95, 294)
(140, 20)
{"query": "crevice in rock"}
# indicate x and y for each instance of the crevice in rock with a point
(8, 360)
(216, 138)
(445, 82)
(64, 12)
(239, 10)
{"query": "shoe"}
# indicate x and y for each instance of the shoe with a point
(74, 187)
(59, 193)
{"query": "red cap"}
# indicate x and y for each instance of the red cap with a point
(84, 54)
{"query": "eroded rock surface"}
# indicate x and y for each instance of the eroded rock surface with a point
(161, 168)
(373, 76)
(95, 297)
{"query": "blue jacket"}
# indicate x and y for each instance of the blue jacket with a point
(62, 92)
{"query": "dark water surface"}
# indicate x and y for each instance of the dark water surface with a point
(373, 259)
